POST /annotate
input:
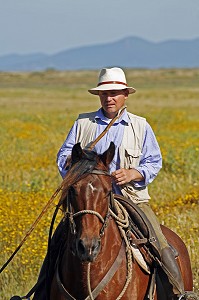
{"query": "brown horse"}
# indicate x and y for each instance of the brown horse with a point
(95, 261)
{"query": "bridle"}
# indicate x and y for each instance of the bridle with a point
(121, 254)
(104, 220)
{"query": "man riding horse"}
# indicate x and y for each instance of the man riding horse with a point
(136, 162)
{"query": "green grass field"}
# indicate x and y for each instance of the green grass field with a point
(36, 112)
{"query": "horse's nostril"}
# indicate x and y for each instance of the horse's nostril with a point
(81, 247)
(88, 249)
(96, 245)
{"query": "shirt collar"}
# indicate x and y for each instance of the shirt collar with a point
(123, 118)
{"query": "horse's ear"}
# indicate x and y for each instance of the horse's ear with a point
(108, 155)
(77, 153)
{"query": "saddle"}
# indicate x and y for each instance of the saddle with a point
(145, 246)
(141, 232)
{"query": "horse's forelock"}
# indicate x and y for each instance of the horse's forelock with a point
(86, 165)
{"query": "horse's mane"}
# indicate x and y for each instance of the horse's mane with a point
(86, 164)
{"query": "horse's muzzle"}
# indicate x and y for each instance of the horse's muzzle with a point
(87, 249)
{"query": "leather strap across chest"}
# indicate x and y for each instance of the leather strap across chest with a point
(109, 275)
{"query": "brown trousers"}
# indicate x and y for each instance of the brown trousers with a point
(146, 208)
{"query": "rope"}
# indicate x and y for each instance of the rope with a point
(89, 281)
(92, 212)
(129, 264)
(56, 193)
(123, 222)
(44, 210)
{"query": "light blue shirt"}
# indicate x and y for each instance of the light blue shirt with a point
(151, 159)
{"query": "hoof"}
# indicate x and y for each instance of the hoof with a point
(15, 298)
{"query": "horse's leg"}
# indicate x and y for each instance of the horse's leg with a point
(183, 259)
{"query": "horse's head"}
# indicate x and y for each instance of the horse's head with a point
(87, 202)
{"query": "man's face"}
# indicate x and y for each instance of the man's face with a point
(112, 101)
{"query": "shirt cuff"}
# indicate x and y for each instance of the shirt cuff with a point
(142, 183)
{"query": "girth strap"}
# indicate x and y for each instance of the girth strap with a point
(109, 275)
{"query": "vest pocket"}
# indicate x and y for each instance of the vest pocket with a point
(132, 158)
(137, 195)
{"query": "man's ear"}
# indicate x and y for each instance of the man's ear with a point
(77, 153)
(108, 155)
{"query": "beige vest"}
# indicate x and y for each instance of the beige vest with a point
(130, 149)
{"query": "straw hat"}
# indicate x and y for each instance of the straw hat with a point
(111, 79)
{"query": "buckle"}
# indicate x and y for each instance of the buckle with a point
(152, 239)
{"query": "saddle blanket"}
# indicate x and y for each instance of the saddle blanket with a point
(140, 259)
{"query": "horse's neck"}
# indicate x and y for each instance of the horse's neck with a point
(111, 240)
(75, 273)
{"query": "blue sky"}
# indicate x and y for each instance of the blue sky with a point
(50, 26)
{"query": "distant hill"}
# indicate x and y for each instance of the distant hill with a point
(130, 52)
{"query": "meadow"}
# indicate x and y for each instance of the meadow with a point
(36, 112)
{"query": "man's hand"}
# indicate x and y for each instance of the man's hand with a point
(123, 176)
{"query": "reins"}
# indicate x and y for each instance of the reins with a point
(120, 112)
(48, 204)
(44, 210)
(121, 217)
